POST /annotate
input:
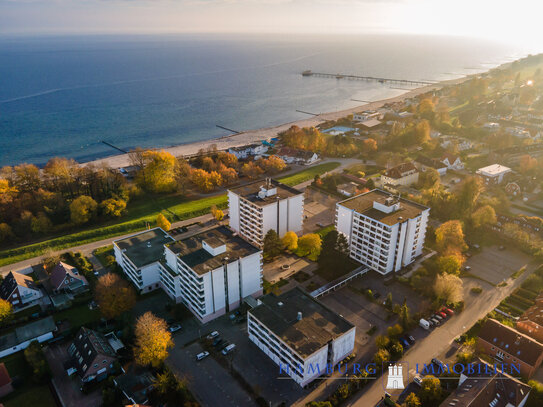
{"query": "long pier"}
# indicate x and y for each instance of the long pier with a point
(115, 147)
(366, 78)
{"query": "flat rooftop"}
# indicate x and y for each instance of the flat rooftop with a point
(191, 252)
(315, 329)
(494, 169)
(145, 247)
(250, 191)
(363, 204)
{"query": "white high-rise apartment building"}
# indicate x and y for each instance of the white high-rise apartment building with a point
(210, 272)
(300, 334)
(257, 207)
(385, 232)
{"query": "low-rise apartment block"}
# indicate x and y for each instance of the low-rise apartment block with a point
(300, 334)
(257, 207)
(385, 232)
(493, 174)
(404, 174)
(506, 345)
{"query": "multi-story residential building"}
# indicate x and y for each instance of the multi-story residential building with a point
(243, 152)
(141, 256)
(531, 322)
(403, 174)
(506, 345)
(19, 289)
(294, 156)
(487, 386)
(385, 232)
(257, 207)
(300, 334)
(92, 355)
(493, 174)
(213, 271)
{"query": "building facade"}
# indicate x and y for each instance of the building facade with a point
(404, 174)
(493, 174)
(531, 322)
(384, 232)
(300, 334)
(19, 289)
(257, 207)
(213, 271)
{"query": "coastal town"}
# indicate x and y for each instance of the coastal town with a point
(391, 255)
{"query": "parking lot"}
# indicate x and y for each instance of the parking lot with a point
(494, 265)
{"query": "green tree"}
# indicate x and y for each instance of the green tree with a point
(483, 216)
(334, 254)
(6, 312)
(272, 245)
(405, 318)
(396, 350)
(422, 132)
(382, 341)
(6, 232)
(310, 245)
(159, 171)
(380, 357)
(430, 391)
(82, 209)
(468, 194)
(41, 224)
(36, 359)
(388, 302)
(394, 331)
(450, 237)
(113, 207)
(450, 264)
(412, 401)
(448, 288)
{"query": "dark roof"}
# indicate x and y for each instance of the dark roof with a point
(363, 204)
(486, 387)
(400, 170)
(12, 280)
(27, 332)
(59, 274)
(90, 345)
(4, 375)
(292, 152)
(145, 247)
(250, 191)
(191, 252)
(315, 329)
(430, 162)
(136, 384)
(511, 341)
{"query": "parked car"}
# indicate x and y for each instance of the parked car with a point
(424, 324)
(411, 339)
(435, 321)
(437, 362)
(442, 314)
(467, 268)
(202, 355)
(216, 341)
(213, 335)
(228, 349)
(447, 310)
(404, 343)
(438, 317)
(174, 328)
(418, 380)
(219, 343)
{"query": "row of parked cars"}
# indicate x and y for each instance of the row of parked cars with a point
(436, 318)
(218, 343)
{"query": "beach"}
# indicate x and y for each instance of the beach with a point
(254, 136)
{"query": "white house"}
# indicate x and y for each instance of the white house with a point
(300, 334)
(385, 232)
(257, 207)
(453, 162)
(293, 156)
(366, 115)
(404, 174)
(19, 289)
(493, 174)
(213, 271)
(243, 152)
(41, 331)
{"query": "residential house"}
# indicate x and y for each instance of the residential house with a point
(243, 152)
(19, 339)
(259, 206)
(92, 355)
(385, 232)
(487, 386)
(507, 345)
(300, 334)
(452, 161)
(531, 322)
(135, 384)
(493, 174)
(366, 116)
(404, 174)
(348, 189)
(6, 386)
(66, 278)
(423, 163)
(19, 289)
(293, 156)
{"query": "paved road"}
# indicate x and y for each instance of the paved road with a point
(439, 340)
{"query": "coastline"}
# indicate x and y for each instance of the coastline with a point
(257, 135)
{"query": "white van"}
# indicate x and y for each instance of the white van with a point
(425, 324)
(228, 349)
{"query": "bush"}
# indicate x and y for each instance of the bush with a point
(476, 290)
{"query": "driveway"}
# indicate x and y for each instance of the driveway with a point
(66, 387)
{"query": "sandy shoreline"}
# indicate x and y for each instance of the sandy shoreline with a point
(253, 136)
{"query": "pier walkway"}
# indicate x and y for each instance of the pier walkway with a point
(366, 78)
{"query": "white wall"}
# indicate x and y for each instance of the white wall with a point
(317, 359)
(269, 218)
(296, 213)
(343, 346)
(217, 276)
(150, 274)
(24, 345)
(233, 211)
(283, 217)
(251, 274)
(344, 221)
(233, 282)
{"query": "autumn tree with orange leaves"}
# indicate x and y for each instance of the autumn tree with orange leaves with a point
(152, 340)
(114, 295)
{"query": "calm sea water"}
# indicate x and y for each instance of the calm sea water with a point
(62, 96)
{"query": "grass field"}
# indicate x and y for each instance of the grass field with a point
(142, 213)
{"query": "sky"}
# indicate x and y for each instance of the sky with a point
(516, 21)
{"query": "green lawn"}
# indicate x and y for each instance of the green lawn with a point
(142, 213)
(78, 316)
